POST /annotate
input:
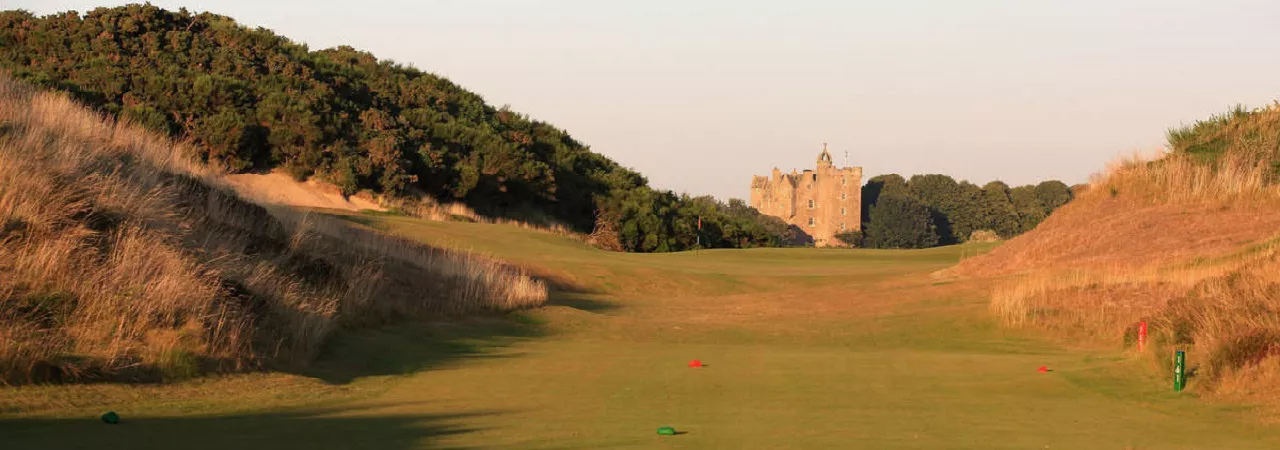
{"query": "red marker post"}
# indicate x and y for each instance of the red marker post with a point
(698, 245)
(1142, 335)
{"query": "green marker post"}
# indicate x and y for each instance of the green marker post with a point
(1179, 370)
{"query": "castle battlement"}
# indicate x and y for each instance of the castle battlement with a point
(820, 202)
(759, 181)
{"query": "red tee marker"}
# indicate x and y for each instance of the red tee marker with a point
(1043, 369)
(1142, 335)
(695, 363)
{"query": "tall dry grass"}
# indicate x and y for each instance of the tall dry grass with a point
(1221, 301)
(1180, 178)
(1250, 134)
(425, 207)
(121, 258)
(1173, 180)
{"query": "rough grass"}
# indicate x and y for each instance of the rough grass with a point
(1249, 135)
(122, 259)
(1187, 242)
(424, 207)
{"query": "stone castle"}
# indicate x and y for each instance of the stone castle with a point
(819, 203)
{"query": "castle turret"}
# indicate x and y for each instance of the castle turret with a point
(824, 158)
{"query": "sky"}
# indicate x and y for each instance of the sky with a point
(700, 95)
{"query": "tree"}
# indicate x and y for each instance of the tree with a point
(659, 221)
(900, 221)
(951, 204)
(850, 238)
(878, 185)
(998, 213)
(957, 209)
(1031, 210)
(1053, 194)
(966, 211)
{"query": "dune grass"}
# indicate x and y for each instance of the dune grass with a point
(122, 259)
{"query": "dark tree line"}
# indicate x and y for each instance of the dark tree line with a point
(658, 221)
(253, 100)
(929, 210)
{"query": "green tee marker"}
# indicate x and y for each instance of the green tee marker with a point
(111, 417)
(666, 431)
(1179, 370)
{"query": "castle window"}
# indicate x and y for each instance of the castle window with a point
(842, 196)
(815, 177)
(811, 204)
(844, 181)
(841, 226)
(842, 211)
(810, 221)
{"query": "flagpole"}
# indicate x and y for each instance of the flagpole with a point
(698, 243)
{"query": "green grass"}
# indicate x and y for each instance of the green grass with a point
(806, 348)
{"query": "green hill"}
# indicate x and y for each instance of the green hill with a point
(252, 100)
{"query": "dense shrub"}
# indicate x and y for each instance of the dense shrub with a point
(850, 238)
(901, 221)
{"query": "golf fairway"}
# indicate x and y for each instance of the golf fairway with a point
(800, 348)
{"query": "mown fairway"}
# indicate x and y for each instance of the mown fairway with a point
(804, 349)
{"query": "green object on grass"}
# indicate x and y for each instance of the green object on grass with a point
(111, 417)
(1179, 370)
(666, 431)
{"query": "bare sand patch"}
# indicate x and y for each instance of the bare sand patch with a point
(281, 189)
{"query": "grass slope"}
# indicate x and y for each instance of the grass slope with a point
(122, 259)
(1187, 242)
(806, 348)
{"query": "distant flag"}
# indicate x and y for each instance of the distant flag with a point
(698, 235)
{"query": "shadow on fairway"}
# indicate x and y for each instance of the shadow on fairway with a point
(563, 290)
(409, 347)
(581, 301)
(309, 429)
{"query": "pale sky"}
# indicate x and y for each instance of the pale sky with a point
(700, 95)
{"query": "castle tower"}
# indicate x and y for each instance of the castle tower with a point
(819, 203)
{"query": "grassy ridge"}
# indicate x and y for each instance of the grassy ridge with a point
(120, 258)
(1186, 242)
(1249, 135)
